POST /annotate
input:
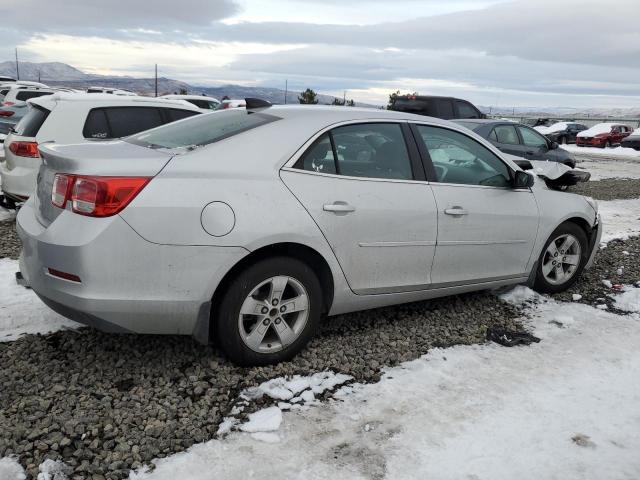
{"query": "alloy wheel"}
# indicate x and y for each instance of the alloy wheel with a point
(274, 314)
(561, 260)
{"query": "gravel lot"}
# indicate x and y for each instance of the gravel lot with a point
(108, 403)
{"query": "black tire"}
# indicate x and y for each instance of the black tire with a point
(227, 328)
(541, 284)
(563, 141)
(607, 144)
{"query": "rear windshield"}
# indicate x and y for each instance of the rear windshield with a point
(30, 124)
(469, 125)
(202, 130)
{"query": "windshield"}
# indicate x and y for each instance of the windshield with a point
(202, 129)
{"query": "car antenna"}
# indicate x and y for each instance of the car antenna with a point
(255, 103)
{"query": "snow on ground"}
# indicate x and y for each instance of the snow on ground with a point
(6, 214)
(620, 218)
(21, 311)
(628, 300)
(10, 469)
(567, 408)
(600, 169)
(617, 152)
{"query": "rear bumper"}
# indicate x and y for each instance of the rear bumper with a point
(20, 181)
(126, 283)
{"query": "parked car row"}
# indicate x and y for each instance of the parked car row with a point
(519, 140)
(247, 225)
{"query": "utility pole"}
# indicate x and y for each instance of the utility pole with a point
(156, 79)
(17, 67)
(38, 75)
(286, 89)
(344, 98)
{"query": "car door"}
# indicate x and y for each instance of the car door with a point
(364, 186)
(535, 145)
(486, 228)
(506, 138)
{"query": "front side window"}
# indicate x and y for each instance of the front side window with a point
(531, 138)
(371, 150)
(466, 110)
(506, 134)
(462, 160)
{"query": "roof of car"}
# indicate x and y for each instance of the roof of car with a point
(106, 98)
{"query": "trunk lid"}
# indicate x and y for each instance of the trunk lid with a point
(100, 158)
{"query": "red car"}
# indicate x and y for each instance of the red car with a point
(603, 135)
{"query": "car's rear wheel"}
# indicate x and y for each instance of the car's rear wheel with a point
(270, 312)
(563, 140)
(607, 144)
(563, 257)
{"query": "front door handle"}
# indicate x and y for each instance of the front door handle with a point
(339, 207)
(455, 211)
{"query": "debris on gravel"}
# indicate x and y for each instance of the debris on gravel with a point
(608, 189)
(106, 403)
(9, 242)
(615, 265)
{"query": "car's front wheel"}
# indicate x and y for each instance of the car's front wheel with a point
(269, 312)
(563, 257)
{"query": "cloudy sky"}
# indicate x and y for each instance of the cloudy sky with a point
(568, 53)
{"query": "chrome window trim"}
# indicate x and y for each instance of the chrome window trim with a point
(347, 177)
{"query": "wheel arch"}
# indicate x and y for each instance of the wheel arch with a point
(299, 251)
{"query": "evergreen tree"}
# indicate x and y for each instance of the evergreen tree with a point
(308, 97)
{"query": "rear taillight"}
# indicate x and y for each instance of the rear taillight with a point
(225, 106)
(96, 196)
(60, 191)
(6, 113)
(8, 104)
(24, 149)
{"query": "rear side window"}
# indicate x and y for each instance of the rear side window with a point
(203, 129)
(96, 125)
(203, 103)
(31, 123)
(125, 121)
(466, 110)
(370, 150)
(174, 114)
(3, 93)
(445, 108)
(421, 106)
(506, 134)
(23, 96)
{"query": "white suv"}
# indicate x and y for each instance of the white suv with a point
(75, 118)
(17, 94)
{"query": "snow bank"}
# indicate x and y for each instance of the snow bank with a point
(265, 420)
(21, 311)
(620, 219)
(597, 129)
(610, 168)
(617, 152)
(10, 469)
(628, 300)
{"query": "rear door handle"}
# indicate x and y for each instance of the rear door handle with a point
(339, 207)
(455, 211)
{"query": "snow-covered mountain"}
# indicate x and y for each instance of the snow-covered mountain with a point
(45, 71)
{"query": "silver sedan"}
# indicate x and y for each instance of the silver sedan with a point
(248, 226)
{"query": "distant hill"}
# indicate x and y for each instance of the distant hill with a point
(59, 74)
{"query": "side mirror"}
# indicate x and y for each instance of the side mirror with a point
(553, 145)
(523, 180)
